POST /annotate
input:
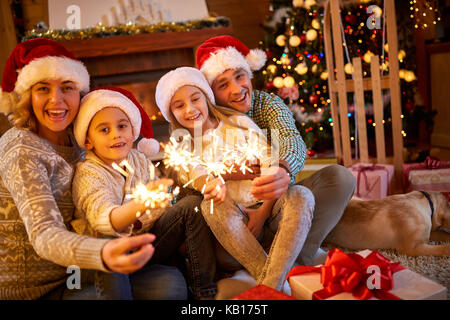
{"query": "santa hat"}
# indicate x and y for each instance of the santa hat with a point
(219, 54)
(104, 97)
(36, 60)
(175, 79)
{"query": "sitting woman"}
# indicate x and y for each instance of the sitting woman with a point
(41, 90)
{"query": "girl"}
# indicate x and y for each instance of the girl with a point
(186, 101)
(41, 89)
(108, 123)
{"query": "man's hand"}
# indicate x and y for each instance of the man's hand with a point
(116, 256)
(271, 185)
(215, 190)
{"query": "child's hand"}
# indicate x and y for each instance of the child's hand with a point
(215, 190)
(256, 219)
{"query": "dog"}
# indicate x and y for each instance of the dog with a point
(405, 222)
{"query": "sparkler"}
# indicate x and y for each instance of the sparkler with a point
(155, 198)
(219, 158)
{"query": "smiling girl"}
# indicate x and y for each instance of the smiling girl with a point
(187, 101)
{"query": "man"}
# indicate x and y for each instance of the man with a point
(228, 65)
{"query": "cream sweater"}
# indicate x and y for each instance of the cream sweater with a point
(98, 189)
(36, 209)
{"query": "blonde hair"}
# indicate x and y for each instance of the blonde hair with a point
(215, 111)
(22, 115)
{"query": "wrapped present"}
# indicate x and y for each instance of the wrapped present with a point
(313, 165)
(430, 175)
(262, 292)
(373, 181)
(360, 276)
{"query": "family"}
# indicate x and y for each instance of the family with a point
(62, 202)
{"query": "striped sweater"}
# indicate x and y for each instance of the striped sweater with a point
(36, 209)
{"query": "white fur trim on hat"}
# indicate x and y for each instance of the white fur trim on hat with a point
(97, 100)
(175, 79)
(230, 58)
(149, 147)
(52, 67)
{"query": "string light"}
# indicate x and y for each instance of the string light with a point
(419, 13)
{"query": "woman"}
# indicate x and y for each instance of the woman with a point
(38, 155)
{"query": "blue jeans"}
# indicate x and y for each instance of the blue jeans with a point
(183, 224)
(153, 282)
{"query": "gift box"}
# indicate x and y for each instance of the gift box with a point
(430, 175)
(262, 292)
(373, 181)
(313, 165)
(363, 275)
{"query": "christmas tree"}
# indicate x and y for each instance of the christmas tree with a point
(296, 68)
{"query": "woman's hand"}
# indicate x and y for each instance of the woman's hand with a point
(117, 257)
(215, 190)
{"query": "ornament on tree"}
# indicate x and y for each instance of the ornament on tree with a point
(269, 85)
(288, 81)
(401, 55)
(278, 82)
(324, 75)
(281, 40)
(314, 99)
(314, 68)
(315, 24)
(285, 60)
(272, 68)
(350, 19)
(311, 35)
(310, 153)
(309, 3)
(269, 54)
(368, 56)
(303, 38)
(294, 41)
(301, 68)
(348, 68)
(297, 3)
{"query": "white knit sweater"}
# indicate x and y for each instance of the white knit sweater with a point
(97, 189)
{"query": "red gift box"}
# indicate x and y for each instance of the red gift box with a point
(262, 292)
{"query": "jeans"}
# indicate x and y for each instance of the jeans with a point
(113, 286)
(332, 187)
(290, 222)
(183, 224)
(152, 282)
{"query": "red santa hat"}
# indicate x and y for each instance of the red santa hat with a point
(103, 97)
(36, 60)
(175, 79)
(218, 54)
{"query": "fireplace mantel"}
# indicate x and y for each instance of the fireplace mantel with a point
(141, 52)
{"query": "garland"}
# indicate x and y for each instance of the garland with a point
(131, 28)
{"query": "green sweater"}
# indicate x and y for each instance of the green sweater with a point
(35, 213)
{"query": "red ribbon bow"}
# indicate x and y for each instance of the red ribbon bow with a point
(362, 171)
(343, 272)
